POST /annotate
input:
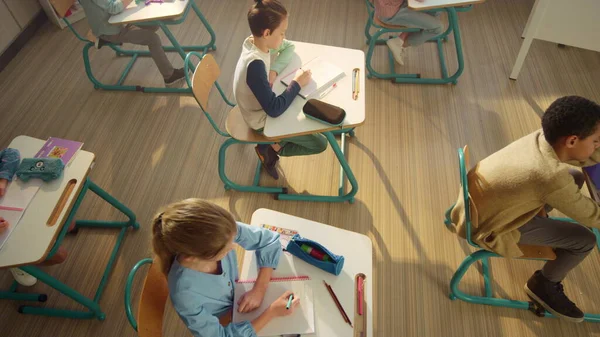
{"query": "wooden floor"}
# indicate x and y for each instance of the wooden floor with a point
(153, 149)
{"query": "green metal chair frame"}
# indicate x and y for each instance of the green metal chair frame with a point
(375, 39)
(483, 256)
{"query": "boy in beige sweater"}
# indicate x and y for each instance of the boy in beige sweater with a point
(510, 188)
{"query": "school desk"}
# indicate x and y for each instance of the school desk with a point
(44, 225)
(293, 122)
(357, 250)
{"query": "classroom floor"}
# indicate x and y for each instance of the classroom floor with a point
(152, 149)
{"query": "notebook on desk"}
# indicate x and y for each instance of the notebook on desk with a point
(324, 75)
(302, 321)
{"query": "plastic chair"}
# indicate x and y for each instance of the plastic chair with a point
(382, 28)
(62, 6)
(530, 252)
(238, 132)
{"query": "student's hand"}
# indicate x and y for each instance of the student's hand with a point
(272, 77)
(3, 184)
(278, 309)
(3, 224)
(251, 300)
(303, 77)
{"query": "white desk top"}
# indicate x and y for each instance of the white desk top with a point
(357, 250)
(169, 9)
(431, 4)
(293, 122)
(32, 239)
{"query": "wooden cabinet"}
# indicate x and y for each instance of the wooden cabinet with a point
(9, 28)
(23, 11)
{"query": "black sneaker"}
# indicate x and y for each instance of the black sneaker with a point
(268, 157)
(99, 43)
(551, 296)
(177, 77)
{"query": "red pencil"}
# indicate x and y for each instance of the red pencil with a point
(337, 303)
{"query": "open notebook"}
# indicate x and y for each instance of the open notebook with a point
(14, 204)
(324, 75)
(301, 322)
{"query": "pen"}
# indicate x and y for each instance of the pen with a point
(360, 295)
(289, 302)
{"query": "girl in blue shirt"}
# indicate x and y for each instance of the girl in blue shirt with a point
(193, 241)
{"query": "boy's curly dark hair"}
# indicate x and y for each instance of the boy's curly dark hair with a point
(570, 116)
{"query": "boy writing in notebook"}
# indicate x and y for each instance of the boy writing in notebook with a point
(254, 76)
(98, 12)
(510, 189)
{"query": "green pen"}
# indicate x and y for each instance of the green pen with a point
(289, 302)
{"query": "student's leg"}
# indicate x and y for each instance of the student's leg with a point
(572, 242)
(303, 145)
(145, 37)
(430, 24)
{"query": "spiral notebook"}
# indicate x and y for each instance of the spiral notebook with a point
(303, 319)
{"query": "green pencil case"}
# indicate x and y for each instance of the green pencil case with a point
(43, 168)
(324, 112)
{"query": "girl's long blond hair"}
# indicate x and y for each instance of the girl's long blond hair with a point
(191, 227)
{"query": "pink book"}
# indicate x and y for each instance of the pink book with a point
(59, 148)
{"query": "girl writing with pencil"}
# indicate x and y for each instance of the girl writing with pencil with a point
(264, 55)
(193, 241)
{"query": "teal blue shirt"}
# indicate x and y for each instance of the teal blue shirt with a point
(98, 12)
(200, 298)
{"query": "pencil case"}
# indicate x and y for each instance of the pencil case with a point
(324, 112)
(43, 168)
(328, 261)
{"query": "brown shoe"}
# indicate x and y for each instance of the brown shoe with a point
(268, 157)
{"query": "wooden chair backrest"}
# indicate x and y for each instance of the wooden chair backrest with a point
(206, 74)
(152, 303)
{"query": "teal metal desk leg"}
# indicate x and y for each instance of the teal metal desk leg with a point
(346, 168)
(213, 37)
(63, 288)
(12, 294)
(91, 305)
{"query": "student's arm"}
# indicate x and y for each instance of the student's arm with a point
(113, 6)
(268, 251)
(280, 58)
(569, 200)
(274, 106)
(9, 163)
(202, 324)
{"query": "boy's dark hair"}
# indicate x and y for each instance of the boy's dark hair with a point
(570, 116)
(265, 14)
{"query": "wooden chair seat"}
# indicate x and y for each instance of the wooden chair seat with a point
(385, 25)
(238, 129)
(537, 252)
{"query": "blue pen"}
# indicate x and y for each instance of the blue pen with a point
(289, 301)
